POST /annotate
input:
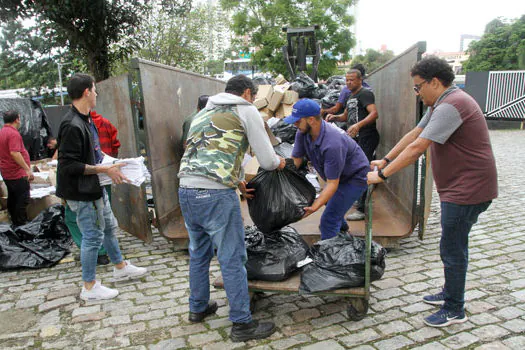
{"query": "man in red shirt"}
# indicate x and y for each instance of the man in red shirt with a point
(107, 134)
(15, 168)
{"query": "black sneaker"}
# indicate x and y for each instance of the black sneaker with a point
(103, 260)
(252, 330)
(196, 317)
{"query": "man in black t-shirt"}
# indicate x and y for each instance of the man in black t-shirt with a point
(360, 115)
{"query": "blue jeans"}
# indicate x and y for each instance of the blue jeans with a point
(213, 220)
(333, 217)
(456, 222)
(98, 226)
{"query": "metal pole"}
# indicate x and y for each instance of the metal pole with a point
(60, 83)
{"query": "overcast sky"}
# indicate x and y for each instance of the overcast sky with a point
(399, 24)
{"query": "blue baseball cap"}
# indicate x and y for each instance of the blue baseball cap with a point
(302, 109)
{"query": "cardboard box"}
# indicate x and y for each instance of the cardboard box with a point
(272, 137)
(36, 205)
(250, 170)
(283, 111)
(275, 101)
(260, 103)
(265, 91)
(4, 217)
(290, 97)
(280, 80)
(266, 114)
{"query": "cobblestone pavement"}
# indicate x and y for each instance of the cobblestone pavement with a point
(42, 309)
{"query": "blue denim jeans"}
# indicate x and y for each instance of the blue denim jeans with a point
(456, 222)
(333, 217)
(213, 220)
(98, 226)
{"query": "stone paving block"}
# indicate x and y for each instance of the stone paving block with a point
(483, 319)
(394, 327)
(324, 345)
(187, 330)
(519, 295)
(387, 283)
(490, 332)
(384, 305)
(50, 331)
(227, 345)
(305, 315)
(169, 344)
(29, 302)
(295, 328)
(360, 337)
(105, 333)
(510, 313)
(290, 342)
(460, 340)
(218, 323)
(389, 293)
(204, 338)
(53, 304)
(149, 315)
(425, 334)
(515, 342)
(127, 329)
(116, 320)
(89, 317)
(431, 346)
(492, 346)
(394, 343)
(516, 325)
(328, 320)
(331, 308)
(164, 322)
(331, 332)
(85, 310)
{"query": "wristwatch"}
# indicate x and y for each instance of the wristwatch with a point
(380, 174)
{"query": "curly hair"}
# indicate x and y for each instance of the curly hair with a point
(238, 84)
(434, 67)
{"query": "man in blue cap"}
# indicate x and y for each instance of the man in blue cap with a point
(338, 160)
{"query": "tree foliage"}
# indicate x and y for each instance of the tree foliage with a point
(502, 47)
(100, 32)
(259, 23)
(373, 59)
(177, 38)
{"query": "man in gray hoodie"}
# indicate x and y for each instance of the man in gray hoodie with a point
(210, 172)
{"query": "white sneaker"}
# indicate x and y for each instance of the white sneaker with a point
(129, 271)
(98, 292)
(356, 216)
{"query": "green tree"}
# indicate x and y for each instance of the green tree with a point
(29, 57)
(101, 32)
(175, 38)
(261, 22)
(373, 59)
(502, 47)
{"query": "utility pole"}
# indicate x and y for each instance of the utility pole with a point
(60, 82)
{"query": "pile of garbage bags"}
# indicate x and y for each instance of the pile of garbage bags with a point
(339, 262)
(43, 242)
(280, 197)
(326, 94)
(285, 132)
(273, 256)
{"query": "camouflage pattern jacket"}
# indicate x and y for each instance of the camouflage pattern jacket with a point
(217, 141)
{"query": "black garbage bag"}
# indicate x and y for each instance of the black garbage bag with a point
(43, 242)
(284, 149)
(330, 99)
(337, 84)
(320, 93)
(334, 78)
(286, 132)
(304, 86)
(280, 196)
(263, 81)
(273, 256)
(339, 262)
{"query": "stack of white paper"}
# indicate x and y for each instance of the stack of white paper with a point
(41, 192)
(135, 170)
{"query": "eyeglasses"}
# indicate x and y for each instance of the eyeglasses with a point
(417, 87)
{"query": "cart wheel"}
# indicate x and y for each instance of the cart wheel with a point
(357, 309)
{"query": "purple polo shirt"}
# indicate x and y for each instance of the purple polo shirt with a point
(333, 154)
(345, 93)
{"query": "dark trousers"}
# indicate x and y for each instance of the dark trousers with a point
(456, 222)
(368, 143)
(17, 200)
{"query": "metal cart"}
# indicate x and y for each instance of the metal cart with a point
(358, 297)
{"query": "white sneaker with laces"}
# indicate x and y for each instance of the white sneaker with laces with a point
(98, 292)
(128, 271)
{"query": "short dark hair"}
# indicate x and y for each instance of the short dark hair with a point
(11, 116)
(360, 68)
(238, 84)
(434, 67)
(357, 72)
(202, 101)
(78, 84)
